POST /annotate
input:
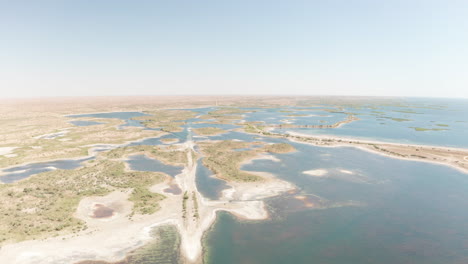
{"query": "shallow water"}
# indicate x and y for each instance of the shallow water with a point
(403, 212)
(295, 115)
(210, 187)
(233, 135)
(85, 123)
(22, 172)
(222, 126)
(355, 206)
(144, 163)
(397, 123)
(149, 141)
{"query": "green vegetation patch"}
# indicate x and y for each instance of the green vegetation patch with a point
(229, 111)
(252, 127)
(279, 148)
(209, 131)
(428, 129)
(399, 119)
(225, 162)
(407, 111)
(45, 203)
(166, 119)
(167, 154)
(226, 115)
(78, 142)
(222, 119)
(145, 202)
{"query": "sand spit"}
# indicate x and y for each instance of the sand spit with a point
(112, 237)
(287, 121)
(316, 173)
(349, 119)
(453, 157)
(200, 213)
(270, 187)
(260, 157)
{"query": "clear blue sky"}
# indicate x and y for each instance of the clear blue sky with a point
(331, 47)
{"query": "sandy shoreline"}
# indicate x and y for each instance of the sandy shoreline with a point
(369, 141)
(316, 172)
(447, 156)
(260, 157)
(456, 158)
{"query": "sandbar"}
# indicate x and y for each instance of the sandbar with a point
(316, 173)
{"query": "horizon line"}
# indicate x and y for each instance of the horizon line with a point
(227, 95)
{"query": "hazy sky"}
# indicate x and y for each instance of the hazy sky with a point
(327, 47)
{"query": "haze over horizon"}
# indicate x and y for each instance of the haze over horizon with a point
(117, 48)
